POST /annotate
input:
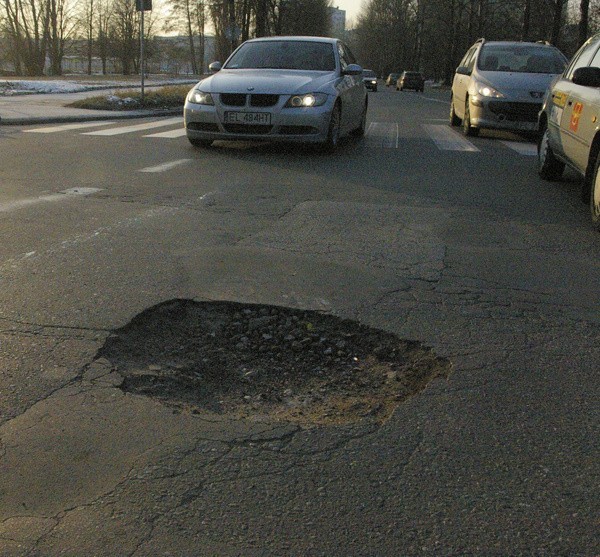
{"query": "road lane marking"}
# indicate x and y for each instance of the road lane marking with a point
(436, 100)
(171, 134)
(137, 127)
(526, 149)
(165, 166)
(387, 132)
(67, 127)
(446, 139)
(9, 206)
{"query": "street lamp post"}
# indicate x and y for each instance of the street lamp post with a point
(142, 6)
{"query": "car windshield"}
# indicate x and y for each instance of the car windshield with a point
(288, 55)
(412, 74)
(521, 58)
(369, 73)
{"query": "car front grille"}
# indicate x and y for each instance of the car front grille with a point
(249, 129)
(239, 99)
(514, 111)
(264, 100)
(233, 99)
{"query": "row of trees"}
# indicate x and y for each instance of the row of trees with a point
(432, 35)
(389, 35)
(38, 33)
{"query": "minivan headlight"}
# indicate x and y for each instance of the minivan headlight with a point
(487, 91)
(196, 96)
(306, 101)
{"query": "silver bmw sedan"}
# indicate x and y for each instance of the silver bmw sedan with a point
(292, 89)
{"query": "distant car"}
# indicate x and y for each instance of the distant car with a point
(569, 128)
(501, 85)
(370, 80)
(287, 89)
(391, 79)
(410, 80)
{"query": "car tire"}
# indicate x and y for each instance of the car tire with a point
(454, 119)
(549, 167)
(468, 130)
(595, 195)
(397, 89)
(375, 90)
(200, 143)
(333, 132)
(362, 128)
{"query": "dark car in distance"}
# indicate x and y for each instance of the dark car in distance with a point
(370, 80)
(411, 80)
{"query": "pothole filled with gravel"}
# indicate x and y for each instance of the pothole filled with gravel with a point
(268, 363)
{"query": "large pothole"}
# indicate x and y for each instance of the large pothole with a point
(266, 362)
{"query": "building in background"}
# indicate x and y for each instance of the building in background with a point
(338, 22)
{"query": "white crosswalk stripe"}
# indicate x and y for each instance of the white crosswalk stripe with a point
(446, 139)
(165, 166)
(68, 127)
(171, 134)
(137, 127)
(385, 133)
(526, 149)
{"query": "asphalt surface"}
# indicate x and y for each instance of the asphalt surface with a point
(466, 251)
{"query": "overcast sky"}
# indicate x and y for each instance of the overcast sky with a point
(352, 8)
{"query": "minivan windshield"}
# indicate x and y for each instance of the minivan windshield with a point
(520, 58)
(284, 55)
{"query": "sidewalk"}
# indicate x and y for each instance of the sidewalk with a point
(47, 108)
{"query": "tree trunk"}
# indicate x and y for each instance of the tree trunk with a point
(583, 27)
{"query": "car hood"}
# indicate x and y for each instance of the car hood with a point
(517, 84)
(276, 82)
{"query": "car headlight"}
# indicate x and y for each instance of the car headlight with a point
(487, 91)
(306, 101)
(200, 97)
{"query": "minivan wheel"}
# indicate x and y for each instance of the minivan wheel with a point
(467, 128)
(454, 119)
(595, 196)
(549, 167)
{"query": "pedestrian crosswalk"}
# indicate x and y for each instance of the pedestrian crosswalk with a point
(382, 135)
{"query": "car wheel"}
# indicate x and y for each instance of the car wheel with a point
(375, 90)
(397, 89)
(549, 167)
(467, 128)
(454, 119)
(204, 143)
(333, 133)
(360, 131)
(595, 196)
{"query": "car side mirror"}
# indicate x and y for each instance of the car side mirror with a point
(352, 69)
(588, 77)
(463, 70)
(214, 67)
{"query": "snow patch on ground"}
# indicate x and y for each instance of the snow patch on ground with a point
(29, 87)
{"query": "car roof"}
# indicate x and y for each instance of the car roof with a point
(291, 38)
(520, 43)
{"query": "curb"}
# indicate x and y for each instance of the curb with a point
(85, 118)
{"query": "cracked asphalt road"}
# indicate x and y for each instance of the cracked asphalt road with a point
(470, 254)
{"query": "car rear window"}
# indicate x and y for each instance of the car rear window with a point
(288, 55)
(412, 74)
(521, 58)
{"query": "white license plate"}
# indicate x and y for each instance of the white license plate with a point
(250, 118)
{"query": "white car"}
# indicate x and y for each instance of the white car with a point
(291, 89)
